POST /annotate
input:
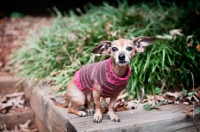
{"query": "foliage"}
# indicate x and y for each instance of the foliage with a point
(158, 91)
(199, 111)
(16, 14)
(65, 46)
(184, 92)
(148, 107)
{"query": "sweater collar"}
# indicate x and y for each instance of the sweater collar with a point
(128, 72)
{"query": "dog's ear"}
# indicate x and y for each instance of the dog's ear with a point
(102, 48)
(141, 42)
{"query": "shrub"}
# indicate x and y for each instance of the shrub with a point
(65, 46)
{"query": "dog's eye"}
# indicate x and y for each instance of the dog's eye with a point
(114, 49)
(129, 48)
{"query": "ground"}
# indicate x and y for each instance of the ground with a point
(13, 33)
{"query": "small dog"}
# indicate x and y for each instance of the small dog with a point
(105, 79)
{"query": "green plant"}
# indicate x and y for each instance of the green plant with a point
(158, 91)
(148, 107)
(184, 92)
(191, 94)
(199, 111)
(16, 14)
(66, 46)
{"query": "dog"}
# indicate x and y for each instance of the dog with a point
(105, 79)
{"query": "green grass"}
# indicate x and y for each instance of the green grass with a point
(66, 46)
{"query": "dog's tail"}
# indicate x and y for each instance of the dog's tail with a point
(63, 105)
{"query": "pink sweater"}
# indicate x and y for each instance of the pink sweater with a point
(102, 74)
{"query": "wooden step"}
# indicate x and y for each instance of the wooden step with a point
(9, 85)
(167, 118)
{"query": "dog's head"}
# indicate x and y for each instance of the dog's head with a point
(123, 50)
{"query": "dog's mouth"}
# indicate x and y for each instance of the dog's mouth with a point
(122, 62)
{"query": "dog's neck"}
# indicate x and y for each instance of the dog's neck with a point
(119, 71)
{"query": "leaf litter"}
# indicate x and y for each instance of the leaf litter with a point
(13, 35)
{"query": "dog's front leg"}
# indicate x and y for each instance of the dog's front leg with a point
(96, 97)
(111, 113)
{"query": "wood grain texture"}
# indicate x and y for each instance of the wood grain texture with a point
(166, 119)
(54, 118)
(16, 118)
(13, 118)
(169, 118)
(8, 83)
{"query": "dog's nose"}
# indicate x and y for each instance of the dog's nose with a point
(121, 57)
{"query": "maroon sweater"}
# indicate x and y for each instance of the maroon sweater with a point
(102, 74)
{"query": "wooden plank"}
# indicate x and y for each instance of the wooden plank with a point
(7, 84)
(168, 118)
(40, 125)
(54, 118)
(16, 118)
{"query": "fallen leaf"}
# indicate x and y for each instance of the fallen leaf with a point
(198, 47)
(15, 94)
(172, 96)
(188, 37)
(159, 97)
(25, 125)
(121, 106)
(190, 109)
(17, 102)
(198, 94)
(176, 32)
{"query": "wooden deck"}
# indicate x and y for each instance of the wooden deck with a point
(166, 119)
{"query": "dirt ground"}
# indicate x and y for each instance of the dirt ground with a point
(13, 33)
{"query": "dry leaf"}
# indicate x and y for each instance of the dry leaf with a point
(172, 96)
(15, 94)
(190, 109)
(170, 37)
(135, 104)
(198, 47)
(198, 94)
(188, 37)
(17, 102)
(2, 98)
(121, 105)
(25, 125)
(176, 32)
(192, 98)
(159, 98)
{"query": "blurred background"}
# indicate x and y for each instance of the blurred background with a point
(44, 7)
(71, 24)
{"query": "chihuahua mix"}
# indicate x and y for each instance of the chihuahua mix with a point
(105, 79)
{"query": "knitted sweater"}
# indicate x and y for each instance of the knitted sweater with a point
(102, 74)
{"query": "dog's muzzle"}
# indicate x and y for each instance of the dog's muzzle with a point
(122, 59)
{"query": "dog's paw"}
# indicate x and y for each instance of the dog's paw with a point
(90, 111)
(113, 117)
(82, 113)
(97, 117)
